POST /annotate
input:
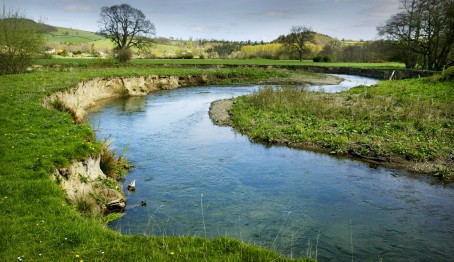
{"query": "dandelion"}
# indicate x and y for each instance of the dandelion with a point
(172, 253)
(77, 256)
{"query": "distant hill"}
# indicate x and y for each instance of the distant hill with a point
(320, 39)
(68, 35)
(43, 28)
(69, 39)
(73, 37)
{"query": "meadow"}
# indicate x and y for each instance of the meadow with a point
(93, 62)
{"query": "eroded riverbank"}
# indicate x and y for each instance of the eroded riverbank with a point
(86, 183)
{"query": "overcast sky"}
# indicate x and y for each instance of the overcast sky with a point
(229, 20)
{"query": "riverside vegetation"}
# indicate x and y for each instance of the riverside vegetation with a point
(406, 123)
(38, 223)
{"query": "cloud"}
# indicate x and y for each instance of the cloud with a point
(274, 14)
(381, 8)
(79, 8)
(205, 29)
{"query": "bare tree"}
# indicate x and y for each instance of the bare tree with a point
(424, 31)
(20, 40)
(296, 41)
(125, 26)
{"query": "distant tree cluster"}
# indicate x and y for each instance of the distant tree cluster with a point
(423, 31)
(361, 52)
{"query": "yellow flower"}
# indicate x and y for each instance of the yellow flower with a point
(77, 255)
(172, 253)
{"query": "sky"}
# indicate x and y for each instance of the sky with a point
(235, 20)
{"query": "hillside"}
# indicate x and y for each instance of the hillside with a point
(82, 43)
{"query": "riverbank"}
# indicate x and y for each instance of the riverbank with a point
(405, 124)
(86, 185)
(37, 222)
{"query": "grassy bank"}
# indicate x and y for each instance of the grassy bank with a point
(36, 221)
(407, 123)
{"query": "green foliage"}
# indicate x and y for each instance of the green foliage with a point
(20, 40)
(448, 74)
(184, 54)
(267, 51)
(325, 59)
(123, 55)
(111, 165)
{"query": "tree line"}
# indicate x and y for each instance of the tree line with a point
(423, 32)
(420, 34)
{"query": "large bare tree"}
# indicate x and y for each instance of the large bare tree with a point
(125, 26)
(424, 31)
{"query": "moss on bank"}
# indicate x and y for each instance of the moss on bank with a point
(37, 223)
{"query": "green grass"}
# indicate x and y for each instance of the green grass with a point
(36, 221)
(68, 35)
(145, 62)
(409, 123)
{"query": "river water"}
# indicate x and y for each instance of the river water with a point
(199, 179)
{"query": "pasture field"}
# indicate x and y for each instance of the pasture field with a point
(249, 62)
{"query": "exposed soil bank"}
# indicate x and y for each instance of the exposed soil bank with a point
(77, 100)
(84, 182)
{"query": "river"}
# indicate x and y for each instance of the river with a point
(199, 179)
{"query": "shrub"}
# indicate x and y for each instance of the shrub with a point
(184, 54)
(63, 53)
(448, 74)
(111, 165)
(123, 55)
(324, 58)
(317, 59)
(327, 58)
(20, 40)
